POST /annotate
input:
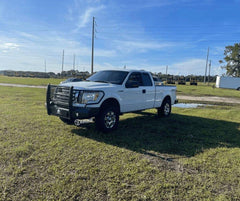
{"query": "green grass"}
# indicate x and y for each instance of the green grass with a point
(200, 90)
(192, 155)
(29, 81)
(205, 90)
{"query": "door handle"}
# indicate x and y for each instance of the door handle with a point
(144, 91)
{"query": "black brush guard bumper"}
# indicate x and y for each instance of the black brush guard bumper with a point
(59, 102)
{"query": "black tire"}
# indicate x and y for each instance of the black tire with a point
(107, 119)
(66, 121)
(165, 109)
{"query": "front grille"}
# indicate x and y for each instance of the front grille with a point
(59, 100)
(61, 96)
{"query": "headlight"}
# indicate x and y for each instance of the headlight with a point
(89, 97)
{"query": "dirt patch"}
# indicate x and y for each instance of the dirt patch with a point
(210, 99)
(21, 85)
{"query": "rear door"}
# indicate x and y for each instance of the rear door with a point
(148, 91)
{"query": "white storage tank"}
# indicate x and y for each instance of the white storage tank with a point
(228, 82)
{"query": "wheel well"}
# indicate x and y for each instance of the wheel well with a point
(167, 98)
(112, 102)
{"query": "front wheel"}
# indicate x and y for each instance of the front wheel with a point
(165, 109)
(107, 120)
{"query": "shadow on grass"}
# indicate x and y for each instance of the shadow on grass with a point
(178, 134)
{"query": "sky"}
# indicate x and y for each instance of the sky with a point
(138, 34)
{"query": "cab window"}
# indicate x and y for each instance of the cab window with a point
(146, 79)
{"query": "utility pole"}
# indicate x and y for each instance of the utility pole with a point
(62, 60)
(45, 64)
(238, 72)
(74, 62)
(210, 63)
(93, 32)
(206, 67)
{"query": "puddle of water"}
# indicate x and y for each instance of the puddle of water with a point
(188, 105)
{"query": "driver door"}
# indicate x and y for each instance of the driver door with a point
(132, 96)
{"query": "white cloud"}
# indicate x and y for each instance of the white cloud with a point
(30, 51)
(7, 46)
(217, 70)
(191, 66)
(94, 1)
(82, 11)
(28, 35)
(106, 66)
(119, 41)
(158, 3)
(217, 51)
(105, 53)
(141, 46)
(87, 16)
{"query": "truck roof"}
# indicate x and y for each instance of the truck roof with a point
(126, 70)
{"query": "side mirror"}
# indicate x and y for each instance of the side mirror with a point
(132, 84)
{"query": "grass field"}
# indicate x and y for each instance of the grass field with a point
(204, 90)
(192, 155)
(30, 81)
(200, 90)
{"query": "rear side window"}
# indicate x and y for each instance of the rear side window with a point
(146, 79)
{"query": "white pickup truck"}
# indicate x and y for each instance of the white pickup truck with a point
(106, 95)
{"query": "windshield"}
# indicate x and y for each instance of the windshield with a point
(108, 76)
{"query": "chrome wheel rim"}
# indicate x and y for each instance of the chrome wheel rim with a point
(110, 119)
(166, 109)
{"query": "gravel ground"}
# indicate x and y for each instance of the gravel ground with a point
(211, 99)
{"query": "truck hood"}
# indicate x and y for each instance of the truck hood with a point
(89, 85)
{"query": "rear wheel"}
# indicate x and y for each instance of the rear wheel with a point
(107, 119)
(165, 109)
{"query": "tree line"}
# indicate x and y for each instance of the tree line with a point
(86, 74)
(199, 78)
(64, 74)
(231, 61)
